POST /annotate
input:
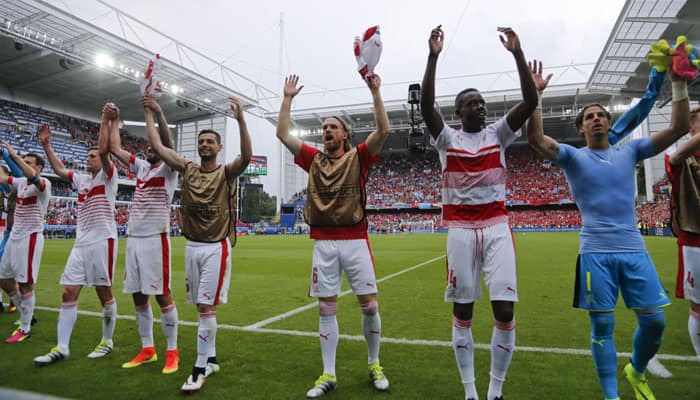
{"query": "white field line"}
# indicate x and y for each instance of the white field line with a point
(411, 342)
(309, 306)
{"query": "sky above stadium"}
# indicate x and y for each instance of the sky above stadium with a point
(317, 42)
(318, 35)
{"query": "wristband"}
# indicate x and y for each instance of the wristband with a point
(679, 90)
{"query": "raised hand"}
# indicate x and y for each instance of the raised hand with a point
(45, 134)
(374, 82)
(509, 39)
(9, 148)
(150, 103)
(110, 112)
(236, 108)
(437, 38)
(536, 71)
(290, 86)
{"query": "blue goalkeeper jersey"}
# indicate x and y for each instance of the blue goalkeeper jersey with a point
(603, 185)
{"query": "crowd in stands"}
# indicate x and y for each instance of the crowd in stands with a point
(402, 222)
(411, 179)
(404, 178)
(544, 219)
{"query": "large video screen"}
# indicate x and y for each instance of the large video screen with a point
(257, 166)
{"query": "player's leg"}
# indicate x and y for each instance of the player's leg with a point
(325, 284)
(642, 291)
(497, 248)
(212, 263)
(133, 284)
(74, 277)
(463, 289)
(694, 327)
(689, 274)
(604, 351)
(169, 315)
(357, 261)
(31, 248)
(66, 321)
(100, 274)
(596, 290)
(8, 273)
(169, 320)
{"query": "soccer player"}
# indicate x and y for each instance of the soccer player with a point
(93, 257)
(683, 170)
(8, 196)
(612, 254)
(22, 256)
(479, 240)
(208, 218)
(339, 226)
(148, 246)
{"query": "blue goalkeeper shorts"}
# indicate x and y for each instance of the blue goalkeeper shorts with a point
(600, 276)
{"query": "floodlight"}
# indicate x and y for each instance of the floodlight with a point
(104, 61)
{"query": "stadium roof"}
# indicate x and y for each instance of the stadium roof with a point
(46, 51)
(622, 68)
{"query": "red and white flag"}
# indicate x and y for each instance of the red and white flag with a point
(150, 82)
(367, 50)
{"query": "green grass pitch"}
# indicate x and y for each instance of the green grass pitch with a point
(282, 359)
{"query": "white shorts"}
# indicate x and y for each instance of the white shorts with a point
(471, 252)
(148, 265)
(689, 272)
(332, 257)
(207, 272)
(91, 265)
(22, 258)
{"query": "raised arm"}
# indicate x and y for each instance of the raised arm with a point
(517, 115)
(4, 181)
(686, 150)
(27, 171)
(543, 144)
(168, 155)
(431, 116)
(165, 136)
(115, 145)
(292, 143)
(239, 164)
(691, 146)
(110, 117)
(680, 116)
(11, 164)
(56, 164)
(628, 121)
(375, 141)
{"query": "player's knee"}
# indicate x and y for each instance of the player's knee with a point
(654, 321)
(370, 308)
(327, 308)
(602, 324)
(463, 311)
(503, 311)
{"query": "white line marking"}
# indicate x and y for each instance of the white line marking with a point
(309, 306)
(412, 342)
